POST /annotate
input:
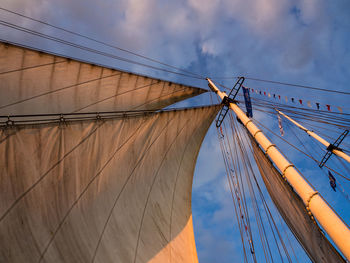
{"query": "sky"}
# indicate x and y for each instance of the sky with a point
(302, 41)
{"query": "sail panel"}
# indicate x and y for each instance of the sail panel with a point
(39, 83)
(116, 190)
(294, 213)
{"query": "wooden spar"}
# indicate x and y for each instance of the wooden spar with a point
(316, 206)
(317, 137)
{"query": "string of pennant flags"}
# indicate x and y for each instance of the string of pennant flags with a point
(332, 179)
(318, 105)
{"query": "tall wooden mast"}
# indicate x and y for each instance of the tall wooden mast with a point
(317, 207)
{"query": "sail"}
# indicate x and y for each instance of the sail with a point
(104, 190)
(294, 212)
(39, 83)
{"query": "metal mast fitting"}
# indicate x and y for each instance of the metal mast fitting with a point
(227, 100)
(331, 148)
(337, 230)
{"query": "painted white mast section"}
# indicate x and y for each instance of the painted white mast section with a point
(317, 137)
(317, 207)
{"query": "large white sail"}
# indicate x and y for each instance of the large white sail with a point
(114, 190)
(112, 186)
(33, 82)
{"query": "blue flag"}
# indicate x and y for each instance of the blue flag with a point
(248, 103)
(332, 181)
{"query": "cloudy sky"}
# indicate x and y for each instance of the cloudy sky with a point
(302, 41)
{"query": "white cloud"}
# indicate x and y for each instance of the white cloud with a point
(303, 41)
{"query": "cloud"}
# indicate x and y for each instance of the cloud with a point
(302, 41)
(260, 37)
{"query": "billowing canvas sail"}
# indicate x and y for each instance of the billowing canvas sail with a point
(106, 190)
(294, 213)
(33, 82)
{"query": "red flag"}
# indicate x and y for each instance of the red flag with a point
(328, 107)
(301, 102)
(279, 97)
(264, 93)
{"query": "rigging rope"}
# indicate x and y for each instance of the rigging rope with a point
(346, 178)
(287, 84)
(88, 49)
(99, 41)
(238, 166)
(252, 173)
(32, 67)
(233, 168)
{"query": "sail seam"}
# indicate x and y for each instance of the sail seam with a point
(121, 191)
(54, 91)
(46, 173)
(83, 192)
(113, 96)
(147, 102)
(173, 198)
(153, 181)
(31, 67)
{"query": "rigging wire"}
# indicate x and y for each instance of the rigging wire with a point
(278, 104)
(287, 84)
(237, 166)
(234, 168)
(32, 67)
(57, 90)
(261, 229)
(157, 61)
(99, 41)
(272, 114)
(311, 118)
(220, 137)
(280, 220)
(323, 150)
(265, 206)
(346, 178)
(91, 50)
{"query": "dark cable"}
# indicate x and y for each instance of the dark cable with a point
(98, 41)
(29, 31)
(288, 84)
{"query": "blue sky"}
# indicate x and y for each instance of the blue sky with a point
(301, 41)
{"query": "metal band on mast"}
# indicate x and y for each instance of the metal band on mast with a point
(330, 147)
(327, 218)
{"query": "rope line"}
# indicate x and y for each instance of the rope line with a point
(288, 84)
(32, 67)
(57, 90)
(21, 196)
(152, 184)
(83, 192)
(346, 178)
(123, 187)
(99, 41)
(91, 50)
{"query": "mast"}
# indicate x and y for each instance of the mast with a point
(337, 151)
(316, 206)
